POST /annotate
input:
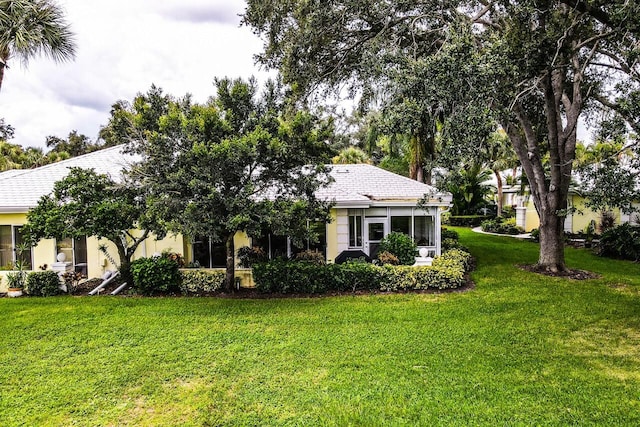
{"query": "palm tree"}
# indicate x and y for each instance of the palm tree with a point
(31, 28)
(500, 156)
(351, 155)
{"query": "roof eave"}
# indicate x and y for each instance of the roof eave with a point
(14, 209)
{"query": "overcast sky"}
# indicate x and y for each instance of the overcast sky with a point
(123, 46)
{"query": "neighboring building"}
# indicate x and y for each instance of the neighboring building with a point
(369, 203)
(576, 222)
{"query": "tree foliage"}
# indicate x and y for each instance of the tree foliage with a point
(468, 187)
(86, 203)
(608, 176)
(534, 66)
(30, 28)
(76, 144)
(241, 162)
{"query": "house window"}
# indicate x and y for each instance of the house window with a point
(319, 229)
(423, 230)
(274, 246)
(75, 250)
(209, 254)
(355, 230)
(401, 224)
(11, 240)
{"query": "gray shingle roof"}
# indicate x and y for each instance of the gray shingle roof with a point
(357, 184)
(367, 183)
(21, 189)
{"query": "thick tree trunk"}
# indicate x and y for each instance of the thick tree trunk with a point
(229, 281)
(552, 243)
(125, 262)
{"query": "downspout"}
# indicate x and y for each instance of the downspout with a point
(439, 229)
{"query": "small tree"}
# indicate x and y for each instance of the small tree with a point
(86, 203)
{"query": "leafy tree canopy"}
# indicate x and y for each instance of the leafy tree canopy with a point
(76, 144)
(533, 66)
(85, 203)
(243, 161)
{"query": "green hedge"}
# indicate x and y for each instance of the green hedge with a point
(282, 276)
(467, 220)
(42, 283)
(198, 282)
(155, 275)
(502, 226)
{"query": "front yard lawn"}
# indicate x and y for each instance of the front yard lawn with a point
(519, 349)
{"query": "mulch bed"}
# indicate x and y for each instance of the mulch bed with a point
(85, 287)
(569, 273)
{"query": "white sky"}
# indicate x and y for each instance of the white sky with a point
(123, 46)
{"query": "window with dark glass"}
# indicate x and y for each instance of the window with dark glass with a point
(401, 224)
(423, 230)
(13, 248)
(318, 244)
(274, 246)
(6, 247)
(75, 251)
(355, 231)
(209, 254)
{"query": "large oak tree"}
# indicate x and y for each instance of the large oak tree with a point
(537, 66)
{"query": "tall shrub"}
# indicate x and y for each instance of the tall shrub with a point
(155, 275)
(400, 245)
(622, 241)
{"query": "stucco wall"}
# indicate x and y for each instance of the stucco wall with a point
(332, 236)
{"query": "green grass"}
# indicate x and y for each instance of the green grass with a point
(520, 349)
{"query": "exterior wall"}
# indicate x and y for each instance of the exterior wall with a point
(97, 263)
(44, 253)
(3, 281)
(633, 218)
(584, 216)
(332, 236)
(342, 232)
(239, 240)
(532, 219)
(13, 218)
(578, 221)
(340, 226)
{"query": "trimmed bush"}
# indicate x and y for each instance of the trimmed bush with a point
(397, 278)
(155, 275)
(387, 258)
(400, 245)
(467, 220)
(502, 226)
(198, 282)
(445, 233)
(282, 276)
(311, 256)
(455, 257)
(358, 276)
(42, 283)
(621, 242)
